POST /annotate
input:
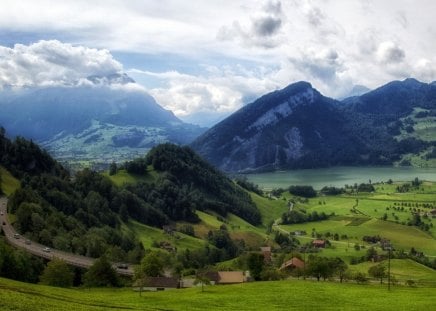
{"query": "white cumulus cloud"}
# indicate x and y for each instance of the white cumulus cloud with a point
(46, 63)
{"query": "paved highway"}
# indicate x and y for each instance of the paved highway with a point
(43, 251)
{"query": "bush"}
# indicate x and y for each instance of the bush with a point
(302, 191)
(360, 278)
(57, 273)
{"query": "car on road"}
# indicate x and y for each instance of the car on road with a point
(28, 242)
(1, 213)
(17, 235)
(122, 266)
(47, 249)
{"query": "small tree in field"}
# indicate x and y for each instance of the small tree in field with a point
(378, 272)
(101, 273)
(201, 279)
(57, 273)
(360, 278)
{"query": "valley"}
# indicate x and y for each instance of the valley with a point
(217, 155)
(353, 223)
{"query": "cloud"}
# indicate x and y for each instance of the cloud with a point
(424, 69)
(321, 65)
(315, 17)
(389, 52)
(47, 63)
(266, 25)
(220, 90)
(261, 29)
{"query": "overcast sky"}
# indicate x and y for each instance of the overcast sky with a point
(206, 58)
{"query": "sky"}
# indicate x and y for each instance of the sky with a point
(205, 59)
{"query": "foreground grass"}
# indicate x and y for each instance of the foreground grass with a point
(283, 295)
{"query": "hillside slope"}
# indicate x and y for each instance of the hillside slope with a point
(297, 127)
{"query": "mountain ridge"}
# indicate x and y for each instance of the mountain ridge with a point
(298, 127)
(84, 123)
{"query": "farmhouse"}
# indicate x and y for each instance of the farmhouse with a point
(226, 277)
(318, 243)
(293, 263)
(160, 283)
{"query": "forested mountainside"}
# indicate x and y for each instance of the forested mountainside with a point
(297, 127)
(85, 214)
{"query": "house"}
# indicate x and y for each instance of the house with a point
(167, 246)
(318, 243)
(432, 213)
(158, 283)
(266, 252)
(226, 277)
(168, 229)
(292, 264)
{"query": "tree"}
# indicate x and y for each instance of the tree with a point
(57, 273)
(112, 169)
(320, 267)
(360, 278)
(202, 279)
(152, 264)
(378, 272)
(255, 263)
(101, 273)
(1, 190)
(341, 268)
(302, 191)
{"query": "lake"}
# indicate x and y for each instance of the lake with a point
(339, 176)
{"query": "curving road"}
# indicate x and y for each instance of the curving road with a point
(41, 250)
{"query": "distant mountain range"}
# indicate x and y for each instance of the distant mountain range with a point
(108, 119)
(100, 122)
(297, 127)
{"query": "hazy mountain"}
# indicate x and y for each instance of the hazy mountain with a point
(297, 127)
(357, 90)
(92, 122)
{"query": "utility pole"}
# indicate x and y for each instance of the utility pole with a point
(389, 266)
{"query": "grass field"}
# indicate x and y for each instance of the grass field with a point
(8, 183)
(238, 228)
(283, 295)
(361, 214)
(402, 270)
(122, 177)
(147, 235)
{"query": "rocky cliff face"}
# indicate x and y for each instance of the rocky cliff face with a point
(283, 129)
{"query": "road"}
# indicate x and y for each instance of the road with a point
(41, 250)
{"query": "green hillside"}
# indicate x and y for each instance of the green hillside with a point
(285, 295)
(8, 182)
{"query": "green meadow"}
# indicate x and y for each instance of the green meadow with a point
(284, 295)
(8, 183)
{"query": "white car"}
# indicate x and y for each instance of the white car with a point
(47, 249)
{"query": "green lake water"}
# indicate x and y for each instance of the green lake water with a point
(339, 176)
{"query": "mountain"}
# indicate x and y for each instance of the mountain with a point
(357, 90)
(286, 128)
(297, 127)
(396, 99)
(85, 122)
